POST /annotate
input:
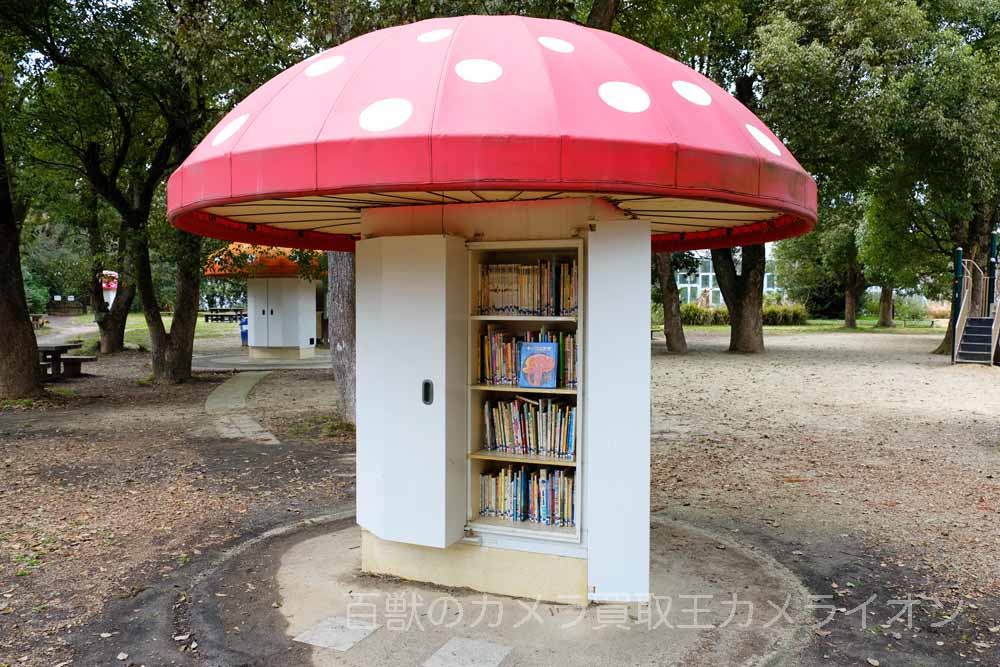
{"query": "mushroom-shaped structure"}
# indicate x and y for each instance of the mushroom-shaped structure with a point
(109, 286)
(497, 108)
(281, 304)
(499, 179)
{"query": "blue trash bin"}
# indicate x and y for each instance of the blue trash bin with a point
(244, 331)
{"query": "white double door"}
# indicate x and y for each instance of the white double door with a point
(275, 311)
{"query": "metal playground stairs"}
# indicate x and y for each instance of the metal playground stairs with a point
(976, 324)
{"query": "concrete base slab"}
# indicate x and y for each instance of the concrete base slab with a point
(285, 353)
(714, 603)
(501, 571)
(337, 632)
(461, 652)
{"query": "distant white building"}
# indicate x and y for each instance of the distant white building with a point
(690, 286)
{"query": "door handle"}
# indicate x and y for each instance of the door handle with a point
(427, 392)
(272, 311)
(263, 312)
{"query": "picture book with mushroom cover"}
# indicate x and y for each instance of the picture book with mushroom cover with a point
(539, 365)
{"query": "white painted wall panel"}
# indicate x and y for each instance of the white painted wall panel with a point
(370, 336)
(617, 416)
(408, 329)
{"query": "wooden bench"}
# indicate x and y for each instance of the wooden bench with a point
(71, 365)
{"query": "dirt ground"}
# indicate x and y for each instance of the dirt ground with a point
(859, 461)
(114, 483)
(865, 465)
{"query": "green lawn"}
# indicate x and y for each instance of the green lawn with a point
(137, 332)
(835, 326)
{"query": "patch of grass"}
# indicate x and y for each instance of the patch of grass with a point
(28, 560)
(15, 403)
(65, 392)
(322, 426)
(146, 381)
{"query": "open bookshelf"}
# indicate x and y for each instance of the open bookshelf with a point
(557, 314)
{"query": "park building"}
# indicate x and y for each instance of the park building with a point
(692, 285)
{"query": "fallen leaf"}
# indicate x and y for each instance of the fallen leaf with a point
(873, 662)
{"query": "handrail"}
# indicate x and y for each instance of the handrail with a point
(965, 295)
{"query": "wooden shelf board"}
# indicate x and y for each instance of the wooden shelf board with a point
(523, 318)
(487, 455)
(520, 390)
(546, 244)
(494, 524)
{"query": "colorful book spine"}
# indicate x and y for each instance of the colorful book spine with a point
(500, 356)
(544, 428)
(544, 496)
(544, 288)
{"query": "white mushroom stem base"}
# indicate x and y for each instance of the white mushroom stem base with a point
(420, 406)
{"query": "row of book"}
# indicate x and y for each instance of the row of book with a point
(539, 495)
(537, 359)
(527, 427)
(528, 289)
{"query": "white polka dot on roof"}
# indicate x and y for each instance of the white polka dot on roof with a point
(624, 96)
(763, 139)
(385, 114)
(434, 35)
(556, 44)
(477, 70)
(231, 128)
(321, 67)
(692, 92)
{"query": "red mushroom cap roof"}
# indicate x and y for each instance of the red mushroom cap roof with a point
(242, 260)
(490, 108)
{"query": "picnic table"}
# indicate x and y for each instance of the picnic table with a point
(224, 315)
(53, 355)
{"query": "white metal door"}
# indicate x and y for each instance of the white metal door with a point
(406, 450)
(257, 312)
(283, 312)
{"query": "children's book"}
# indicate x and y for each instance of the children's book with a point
(539, 365)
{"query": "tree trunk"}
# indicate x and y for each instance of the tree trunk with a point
(850, 309)
(602, 14)
(949, 335)
(341, 295)
(673, 329)
(852, 290)
(744, 296)
(885, 307)
(111, 321)
(20, 376)
(110, 318)
(171, 351)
